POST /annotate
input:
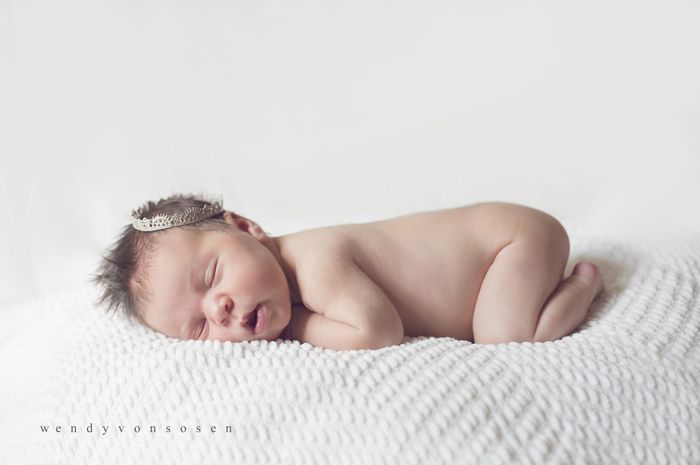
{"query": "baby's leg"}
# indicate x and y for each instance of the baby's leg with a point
(567, 307)
(523, 297)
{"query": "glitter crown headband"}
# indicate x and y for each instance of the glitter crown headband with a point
(187, 216)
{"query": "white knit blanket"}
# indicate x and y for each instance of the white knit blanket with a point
(622, 390)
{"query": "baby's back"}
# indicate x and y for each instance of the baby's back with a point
(429, 264)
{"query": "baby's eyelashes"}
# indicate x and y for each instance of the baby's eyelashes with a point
(213, 274)
(200, 331)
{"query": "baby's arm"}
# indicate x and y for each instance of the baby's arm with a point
(319, 330)
(347, 311)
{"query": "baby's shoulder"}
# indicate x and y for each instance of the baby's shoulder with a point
(328, 244)
(323, 255)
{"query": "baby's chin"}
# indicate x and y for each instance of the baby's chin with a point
(280, 334)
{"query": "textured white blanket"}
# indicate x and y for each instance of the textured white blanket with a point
(623, 389)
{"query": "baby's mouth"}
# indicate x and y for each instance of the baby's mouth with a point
(253, 318)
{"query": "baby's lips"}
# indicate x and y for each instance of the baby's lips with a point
(249, 315)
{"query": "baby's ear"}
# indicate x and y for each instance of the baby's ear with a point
(229, 217)
(244, 224)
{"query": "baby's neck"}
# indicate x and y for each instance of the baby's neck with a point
(281, 251)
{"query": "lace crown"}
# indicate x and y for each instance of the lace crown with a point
(187, 216)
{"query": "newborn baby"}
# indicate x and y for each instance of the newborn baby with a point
(488, 273)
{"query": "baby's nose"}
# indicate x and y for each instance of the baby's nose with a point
(223, 309)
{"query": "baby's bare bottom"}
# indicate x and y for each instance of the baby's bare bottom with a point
(523, 296)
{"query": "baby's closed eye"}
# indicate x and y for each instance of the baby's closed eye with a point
(213, 275)
(200, 330)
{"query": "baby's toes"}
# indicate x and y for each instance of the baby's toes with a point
(590, 273)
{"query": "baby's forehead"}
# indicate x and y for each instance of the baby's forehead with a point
(175, 238)
(168, 256)
(179, 245)
(165, 247)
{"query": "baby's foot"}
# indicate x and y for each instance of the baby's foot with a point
(590, 274)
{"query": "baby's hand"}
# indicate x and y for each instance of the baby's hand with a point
(319, 330)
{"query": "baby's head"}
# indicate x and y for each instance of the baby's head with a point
(201, 280)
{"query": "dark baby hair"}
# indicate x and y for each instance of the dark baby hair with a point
(121, 271)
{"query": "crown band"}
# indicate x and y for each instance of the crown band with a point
(187, 216)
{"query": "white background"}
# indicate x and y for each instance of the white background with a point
(308, 113)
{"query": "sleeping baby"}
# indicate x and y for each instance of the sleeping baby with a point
(488, 273)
